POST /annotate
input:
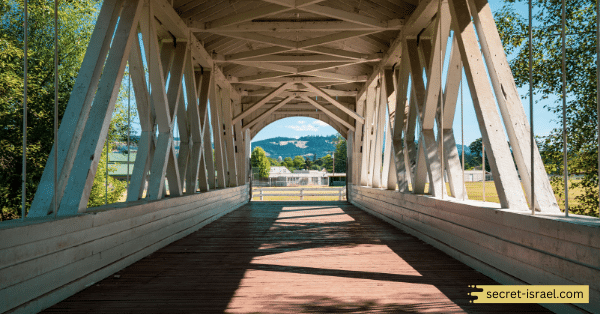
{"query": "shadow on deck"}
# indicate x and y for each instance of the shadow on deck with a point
(314, 257)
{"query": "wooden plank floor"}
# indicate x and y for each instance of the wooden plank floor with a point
(291, 257)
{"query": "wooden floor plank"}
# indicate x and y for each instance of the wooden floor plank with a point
(291, 257)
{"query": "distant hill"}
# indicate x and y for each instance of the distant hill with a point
(306, 146)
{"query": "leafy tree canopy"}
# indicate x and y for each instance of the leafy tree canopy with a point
(581, 85)
(76, 23)
(259, 160)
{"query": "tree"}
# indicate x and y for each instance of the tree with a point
(288, 163)
(116, 188)
(476, 151)
(299, 162)
(273, 162)
(341, 154)
(309, 164)
(76, 25)
(259, 160)
(580, 86)
(327, 162)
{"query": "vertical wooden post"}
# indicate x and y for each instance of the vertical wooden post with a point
(226, 109)
(215, 104)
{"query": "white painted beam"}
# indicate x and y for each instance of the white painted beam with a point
(344, 15)
(511, 108)
(313, 26)
(506, 178)
(328, 113)
(86, 160)
(77, 111)
(260, 103)
(268, 113)
(334, 102)
(246, 16)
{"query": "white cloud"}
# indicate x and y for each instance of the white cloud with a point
(320, 123)
(301, 122)
(306, 127)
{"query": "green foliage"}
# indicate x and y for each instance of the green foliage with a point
(259, 160)
(475, 155)
(116, 188)
(341, 154)
(327, 163)
(581, 85)
(288, 163)
(299, 162)
(273, 162)
(75, 27)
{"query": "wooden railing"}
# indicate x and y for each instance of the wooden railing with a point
(301, 192)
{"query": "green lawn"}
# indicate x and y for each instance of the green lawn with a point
(474, 191)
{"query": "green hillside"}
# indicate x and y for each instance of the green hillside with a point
(306, 146)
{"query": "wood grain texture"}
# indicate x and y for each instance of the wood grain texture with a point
(324, 257)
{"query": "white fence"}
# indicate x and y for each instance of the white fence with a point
(300, 192)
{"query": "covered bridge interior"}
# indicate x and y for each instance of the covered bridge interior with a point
(222, 70)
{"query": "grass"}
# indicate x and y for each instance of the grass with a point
(474, 192)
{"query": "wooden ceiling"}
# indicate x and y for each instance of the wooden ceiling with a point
(260, 45)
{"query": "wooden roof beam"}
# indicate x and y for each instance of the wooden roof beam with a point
(418, 20)
(302, 59)
(268, 112)
(328, 113)
(260, 103)
(334, 102)
(312, 26)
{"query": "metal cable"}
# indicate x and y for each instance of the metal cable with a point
(531, 138)
(483, 166)
(564, 110)
(55, 210)
(462, 133)
(598, 89)
(128, 123)
(441, 130)
(106, 174)
(24, 161)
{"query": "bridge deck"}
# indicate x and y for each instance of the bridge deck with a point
(291, 257)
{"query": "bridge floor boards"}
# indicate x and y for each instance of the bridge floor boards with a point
(292, 257)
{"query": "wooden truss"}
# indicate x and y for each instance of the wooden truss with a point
(414, 101)
(400, 108)
(161, 74)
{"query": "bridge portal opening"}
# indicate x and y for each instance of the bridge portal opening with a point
(299, 158)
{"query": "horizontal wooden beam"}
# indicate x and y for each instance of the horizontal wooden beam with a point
(332, 92)
(299, 59)
(418, 20)
(344, 15)
(334, 102)
(260, 103)
(245, 16)
(313, 26)
(268, 112)
(165, 13)
(275, 78)
(329, 113)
